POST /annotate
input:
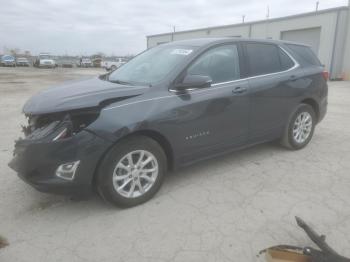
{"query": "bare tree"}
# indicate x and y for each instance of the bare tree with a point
(15, 51)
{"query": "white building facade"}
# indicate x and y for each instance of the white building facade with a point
(326, 31)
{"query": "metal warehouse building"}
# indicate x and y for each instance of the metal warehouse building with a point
(326, 31)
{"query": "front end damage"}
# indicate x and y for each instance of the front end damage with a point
(58, 154)
(61, 124)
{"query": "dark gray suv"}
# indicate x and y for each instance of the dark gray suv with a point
(170, 106)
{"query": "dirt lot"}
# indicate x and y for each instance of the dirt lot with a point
(225, 209)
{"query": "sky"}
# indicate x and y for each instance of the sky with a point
(119, 27)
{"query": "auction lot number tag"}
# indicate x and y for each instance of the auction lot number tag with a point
(181, 51)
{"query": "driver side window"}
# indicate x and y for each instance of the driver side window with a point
(221, 64)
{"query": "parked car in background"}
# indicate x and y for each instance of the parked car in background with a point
(44, 60)
(66, 63)
(113, 64)
(171, 106)
(22, 61)
(85, 62)
(96, 61)
(8, 60)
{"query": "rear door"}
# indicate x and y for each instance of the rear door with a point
(273, 77)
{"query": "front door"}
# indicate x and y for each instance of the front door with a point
(213, 119)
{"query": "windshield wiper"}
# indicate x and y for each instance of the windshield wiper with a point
(120, 82)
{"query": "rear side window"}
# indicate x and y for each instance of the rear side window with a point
(305, 55)
(221, 64)
(286, 61)
(263, 59)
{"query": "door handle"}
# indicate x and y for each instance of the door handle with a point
(239, 90)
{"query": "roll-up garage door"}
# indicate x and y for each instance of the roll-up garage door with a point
(309, 36)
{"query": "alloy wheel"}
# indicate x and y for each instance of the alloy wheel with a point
(302, 127)
(135, 173)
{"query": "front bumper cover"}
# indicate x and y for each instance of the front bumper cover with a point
(36, 162)
(8, 63)
(47, 66)
(22, 64)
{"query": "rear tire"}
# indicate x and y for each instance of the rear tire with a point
(140, 183)
(300, 128)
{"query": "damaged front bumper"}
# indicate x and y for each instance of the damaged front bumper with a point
(53, 162)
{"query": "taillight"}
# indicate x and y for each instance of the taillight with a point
(325, 75)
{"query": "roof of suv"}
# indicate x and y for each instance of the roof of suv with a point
(209, 41)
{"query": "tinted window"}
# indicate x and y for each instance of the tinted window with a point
(263, 59)
(305, 55)
(286, 61)
(220, 63)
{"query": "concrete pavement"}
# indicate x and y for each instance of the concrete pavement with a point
(224, 209)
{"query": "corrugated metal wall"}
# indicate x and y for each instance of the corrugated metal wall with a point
(325, 31)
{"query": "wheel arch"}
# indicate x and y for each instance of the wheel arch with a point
(156, 136)
(313, 103)
(161, 140)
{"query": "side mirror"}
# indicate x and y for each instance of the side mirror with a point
(193, 82)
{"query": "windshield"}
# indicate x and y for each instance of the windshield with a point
(44, 56)
(8, 57)
(152, 65)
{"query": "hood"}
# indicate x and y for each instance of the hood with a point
(77, 95)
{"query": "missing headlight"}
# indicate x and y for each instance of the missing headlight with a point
(82, 118)
(43, 131)
(64, 133)
(58, 126)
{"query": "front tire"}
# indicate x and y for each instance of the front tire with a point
(132, 172)
(300, 128)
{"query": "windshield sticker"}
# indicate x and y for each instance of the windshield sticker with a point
(181, 52)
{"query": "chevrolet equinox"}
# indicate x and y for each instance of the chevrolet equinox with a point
(170, 106)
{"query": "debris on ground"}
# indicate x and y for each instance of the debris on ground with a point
(285, 253)
(3, 242)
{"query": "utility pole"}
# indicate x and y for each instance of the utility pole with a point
(172, 35)
(317, 4)
(243, 18)
(267, 22)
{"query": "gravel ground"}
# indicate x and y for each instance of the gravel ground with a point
(225, 209)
